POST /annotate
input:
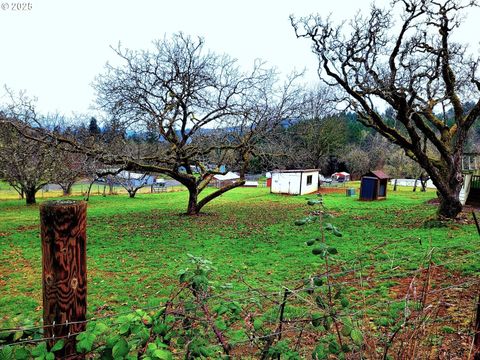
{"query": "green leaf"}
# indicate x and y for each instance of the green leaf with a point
(310, 242)
(300, 222)
(143, 334)
(124, 328)
(314, 202)
(346, 330)
(17, 335)
(329, 226)
(319, 353)
(328, 322)
(319, 251)
(6, 353)
(49, 356)
(357, 337)
(120, 350)
(100, 328)
(58, 345)
(337, 233)
(111, 341)
(162, 354)
(40, 350)
(22, 354)
(85, 342)
(220, 324)
(344, 302)
(332, 250)
(317, 281)
(152, 346)
(333, 347)
(317, 319)
(257, 324)
(200, 281)
(160, 329)
(221, 309)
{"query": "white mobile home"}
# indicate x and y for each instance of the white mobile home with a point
(294, 182)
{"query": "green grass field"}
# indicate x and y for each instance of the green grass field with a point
(137, 246)
(9, 193)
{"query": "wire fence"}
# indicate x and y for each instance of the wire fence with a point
(300, 301)
(419, 297)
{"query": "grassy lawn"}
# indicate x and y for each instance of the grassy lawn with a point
(137, 246)
(8, 193)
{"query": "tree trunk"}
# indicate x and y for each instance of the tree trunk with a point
(450, 206)
(449, 181)
(30, 196)
(131, 193)
(449, 196)
(192, 201)
(67, 190)
(395, 185)
(423, 182)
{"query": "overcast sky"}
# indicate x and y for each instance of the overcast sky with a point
(55, 50)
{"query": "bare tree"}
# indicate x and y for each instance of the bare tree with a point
(25, 164)
(195, 105)
(131, 182)
(199, 104)
(414, 66)
(317, 139)
(357, 160)
(68, 168)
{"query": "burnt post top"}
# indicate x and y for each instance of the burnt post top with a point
(62, 203)
(57, 207)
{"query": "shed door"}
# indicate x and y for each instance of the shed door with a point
(367, 188)
(382, 191)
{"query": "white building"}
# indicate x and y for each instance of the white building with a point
(294, 182)
(223, 180)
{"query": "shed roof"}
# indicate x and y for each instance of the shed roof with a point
(132, 175)
(379, 174)
(227, 176)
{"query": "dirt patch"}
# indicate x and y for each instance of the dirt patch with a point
(438, 313)
(27, 227)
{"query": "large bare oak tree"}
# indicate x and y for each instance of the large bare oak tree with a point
(410, 63)
(200, 106)
(198, 109)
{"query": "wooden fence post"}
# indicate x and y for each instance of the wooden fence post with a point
(64, 277)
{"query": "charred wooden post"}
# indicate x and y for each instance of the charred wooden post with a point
(64, 279)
